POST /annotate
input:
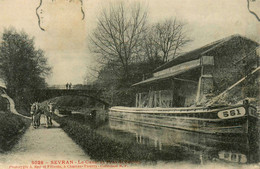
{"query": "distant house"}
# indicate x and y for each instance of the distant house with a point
(196, 76)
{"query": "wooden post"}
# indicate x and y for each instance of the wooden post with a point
(160, 98)
(155, 99)
(150, 98)
(205, 85)
(171, 98)
(140, 99)
(173, 93)
(155, 142)
(136, 100)
(199, 87)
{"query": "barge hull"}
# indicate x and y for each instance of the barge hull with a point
(243, 124)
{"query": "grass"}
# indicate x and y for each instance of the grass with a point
(12, 127)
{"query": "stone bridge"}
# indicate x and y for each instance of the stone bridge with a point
(45, 94)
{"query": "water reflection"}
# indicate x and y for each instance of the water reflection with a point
(174, 145)
(196, 147)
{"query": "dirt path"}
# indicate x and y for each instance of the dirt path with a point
(45, 145)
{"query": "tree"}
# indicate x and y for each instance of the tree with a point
(151, 51)
(128, 49)
(22, 67)
(169, 37)
(117, 36)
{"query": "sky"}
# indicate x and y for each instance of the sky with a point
(65, 39)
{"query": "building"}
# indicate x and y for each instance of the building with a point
(195, 77)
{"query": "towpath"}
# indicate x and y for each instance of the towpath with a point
(48, 145)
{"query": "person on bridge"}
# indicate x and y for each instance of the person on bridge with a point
(67, 86)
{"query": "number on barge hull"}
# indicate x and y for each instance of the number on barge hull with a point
(232, 157)
(232, 113)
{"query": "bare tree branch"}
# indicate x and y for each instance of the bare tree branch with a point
(117, 34)
(170, 37)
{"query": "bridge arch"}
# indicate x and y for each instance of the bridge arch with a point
(45, 94)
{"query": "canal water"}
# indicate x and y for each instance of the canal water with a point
(171, 145)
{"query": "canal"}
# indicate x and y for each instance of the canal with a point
(171, 145)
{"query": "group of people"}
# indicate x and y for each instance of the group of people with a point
(37, 110)
(68, 86)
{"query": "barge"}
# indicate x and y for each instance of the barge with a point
(238, 119)
(186, 92)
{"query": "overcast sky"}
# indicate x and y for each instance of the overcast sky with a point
(65, 37)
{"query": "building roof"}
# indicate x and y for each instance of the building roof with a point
(189, 56)
(162, 77)
(195, 54)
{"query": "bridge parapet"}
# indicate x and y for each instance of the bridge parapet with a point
(45, 94)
